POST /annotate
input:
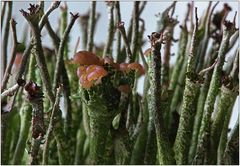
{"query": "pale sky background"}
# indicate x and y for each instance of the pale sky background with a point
(152, 8)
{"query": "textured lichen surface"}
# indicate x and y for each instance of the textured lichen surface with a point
(156, 89)
(188, 111)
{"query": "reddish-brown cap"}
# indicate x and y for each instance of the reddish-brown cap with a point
(86, 58)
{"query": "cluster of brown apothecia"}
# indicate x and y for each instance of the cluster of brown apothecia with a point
(91, 69)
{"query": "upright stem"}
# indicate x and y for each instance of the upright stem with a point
(27, 51)
(165, 152)
(34, 96)
(188, 111)
(231, 154)
(180, 59)
(5, 38)
(118, 19)
(14, 50)
(51, 126)
(226, 101)
(25, 115)
(108, 46)
(91, 26)
(200, 105)
(229, 29)
(4, 4)
(121, 28)
(135, 33)
(60, 55)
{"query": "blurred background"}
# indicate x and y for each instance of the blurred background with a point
(152, 8)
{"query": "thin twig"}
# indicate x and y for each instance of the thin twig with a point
(121, 28)
(145, 65)
(129, 31)
(107, 48)
(61, 50)
(44, 18)
(141, 7)
(53, 35)
(233, 40)
(76, 45)
(91, 26)
(51, 125)
(83, 20)
(118, 44)
(202, 72)
(209, 19)
(14, 50)
(10, 91)
(3, 13)
(5, 38)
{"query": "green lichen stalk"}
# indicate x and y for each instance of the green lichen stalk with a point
(228, 30)
(226, 101)
(188, 111)
(102, 106)
(165, 152)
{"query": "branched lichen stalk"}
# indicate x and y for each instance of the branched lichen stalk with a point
(165, 152)
(5, 38)
(27, 51)
(230, 88)
(200, 105)
(178, 92)
(164, 18)
(204, 43)
(32, 19)
(228, 30)
(91, 26)
(188, 111)
(226, 101)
